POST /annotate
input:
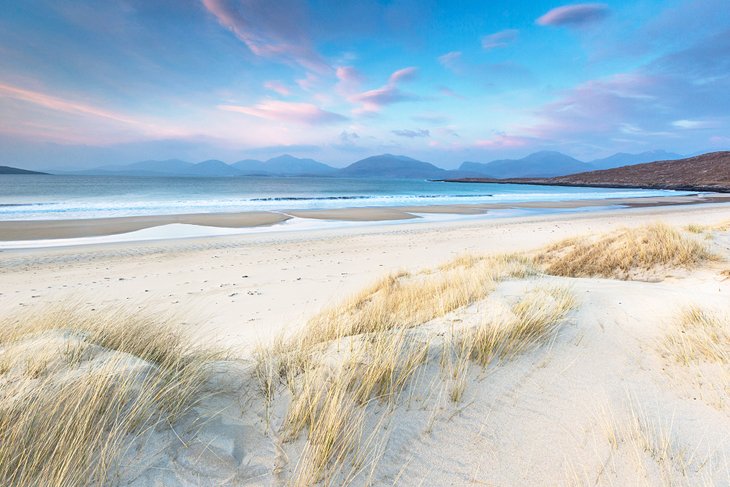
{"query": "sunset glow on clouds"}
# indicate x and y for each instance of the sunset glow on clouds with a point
(88, 83)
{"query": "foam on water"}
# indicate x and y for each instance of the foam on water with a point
(72, 197)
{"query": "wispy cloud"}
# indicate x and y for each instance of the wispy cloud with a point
(349, 79)
(375, 100)
(695, 124)
(499, 39)
(304, 113)
(277, 87)
(412, 134)
(62, 105)
(574, 15)
(270, 30)
(405, 74)
(451, 60)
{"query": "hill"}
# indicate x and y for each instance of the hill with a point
(285, 165)
(538, 164)
(623, 159)
(392, 166)
(15, 170)
(706, 172)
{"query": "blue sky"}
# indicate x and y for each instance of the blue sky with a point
(87, 83)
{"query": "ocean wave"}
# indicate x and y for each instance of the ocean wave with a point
(367, 197)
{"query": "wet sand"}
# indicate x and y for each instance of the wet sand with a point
(95, 227)
(58, 229)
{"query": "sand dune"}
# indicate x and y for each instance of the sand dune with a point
(481, 368)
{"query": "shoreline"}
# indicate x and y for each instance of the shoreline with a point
(31, 230)
(548, 182)
(243, 277)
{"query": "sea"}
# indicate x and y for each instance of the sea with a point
(51, 197)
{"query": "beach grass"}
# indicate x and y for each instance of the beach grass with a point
(409, 299)
(534, 319)
(77, 390)
(699, 336)
(625, 254)
(355, 355)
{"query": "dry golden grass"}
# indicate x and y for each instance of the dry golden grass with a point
(76, 390)
(535, 318)
(700, 336)
(330, 400)
(624, 254)
(694, 228)
(364, 350)
(405, 300)
(648, 444)
(333, 390)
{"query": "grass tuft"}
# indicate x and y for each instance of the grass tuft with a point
(406, 299)
(534, 319)
(700, 336)
(330, 399)
(78, 390)
(624, 254)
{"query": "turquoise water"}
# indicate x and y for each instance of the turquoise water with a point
(30, 197)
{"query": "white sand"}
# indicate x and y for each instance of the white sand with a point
(542, 419)
(247, 287)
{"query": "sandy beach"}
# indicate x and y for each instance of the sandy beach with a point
(599, 402)
(365, 244)
(260, 284)
(90, 227)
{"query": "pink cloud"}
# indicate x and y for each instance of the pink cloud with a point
(499, 39)
(270, 29)
(75, 121)
(277, 87)
(574, 15)
(349, 74)
(405, 74)
(616, 98)
(374, 100)
(309, 82)
(304, 113)
(61, 105)
(349, 78)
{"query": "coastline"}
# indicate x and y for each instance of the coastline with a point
(551, 182)
(244, 277)
(28, 230)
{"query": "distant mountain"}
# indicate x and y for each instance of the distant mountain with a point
(285, 165)
(250, 167)
(538, 164)
(624, 159)
(212, 168)
(392, 166)
(15, 170)
(543, 164)
(707, 172)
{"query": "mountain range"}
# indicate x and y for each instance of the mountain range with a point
(537, 165)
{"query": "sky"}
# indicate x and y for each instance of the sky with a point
(88, 83)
